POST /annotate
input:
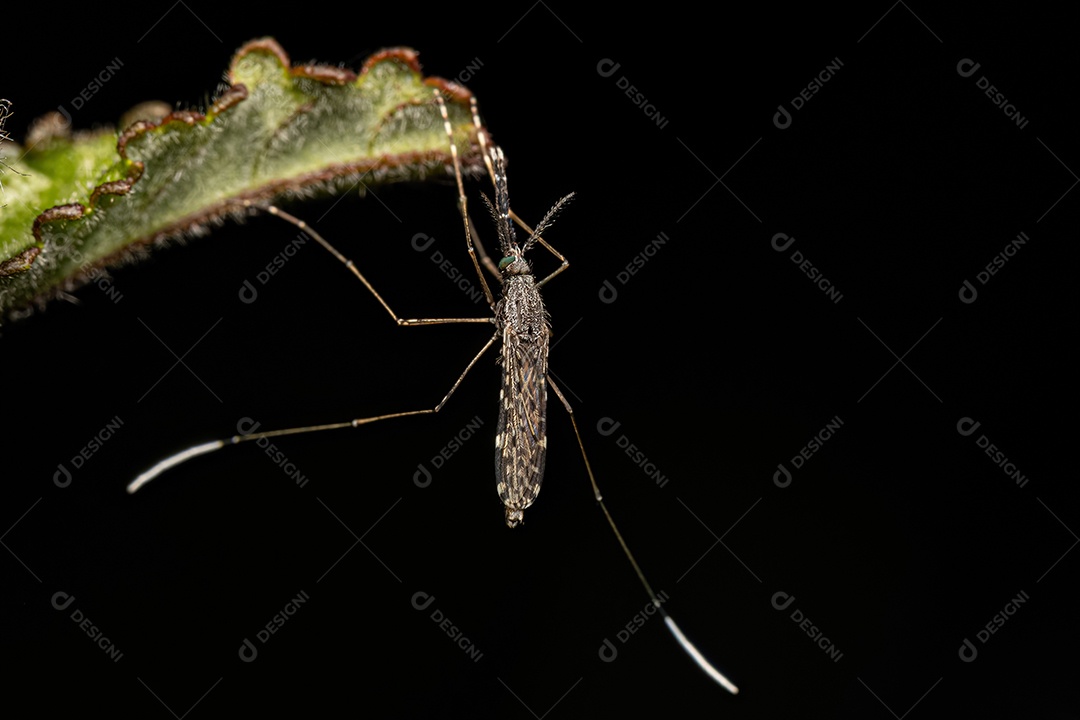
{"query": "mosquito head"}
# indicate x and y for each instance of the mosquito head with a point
(513, 261)
(515, 264)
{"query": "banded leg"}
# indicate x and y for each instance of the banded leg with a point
(202, 449)
(481, 136)
(303, 226)
(486, 261)
(685, 643)
(463, 201)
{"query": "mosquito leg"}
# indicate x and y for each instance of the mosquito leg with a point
(486, 261)
(686, 645)
(482, 138)
(202, 449)
(462, 201)
(278, 212)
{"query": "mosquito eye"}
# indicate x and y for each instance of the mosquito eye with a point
(506, 261)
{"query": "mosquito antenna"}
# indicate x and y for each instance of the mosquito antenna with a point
(546, 222)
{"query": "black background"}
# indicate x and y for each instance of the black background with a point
(899, 538)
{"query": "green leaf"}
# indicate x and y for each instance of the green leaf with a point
(73, 204)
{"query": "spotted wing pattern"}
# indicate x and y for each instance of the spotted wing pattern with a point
(521, 439)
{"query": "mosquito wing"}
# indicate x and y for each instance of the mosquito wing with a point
(521, 440)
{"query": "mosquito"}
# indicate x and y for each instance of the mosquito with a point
(522, 324)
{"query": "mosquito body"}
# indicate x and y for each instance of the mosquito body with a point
(523, 328)
(521, 438)
(521, 321)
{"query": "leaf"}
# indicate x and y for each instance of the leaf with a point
(77, 203)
